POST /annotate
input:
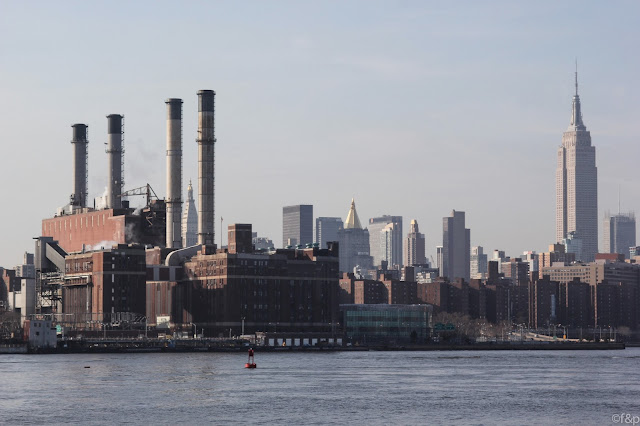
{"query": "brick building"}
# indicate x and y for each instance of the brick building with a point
(94, 228)
(543, 302)
(99, 284)
(615, 305)
(435, 293)
(498, 300)
(516, 270)
(290, 290)
(477, 299)
(576, 304)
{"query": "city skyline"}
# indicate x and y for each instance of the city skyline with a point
(426, 89)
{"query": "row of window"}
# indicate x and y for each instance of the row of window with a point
(58, 225)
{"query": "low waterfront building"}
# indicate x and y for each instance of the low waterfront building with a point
(366, 324)
(42, 334)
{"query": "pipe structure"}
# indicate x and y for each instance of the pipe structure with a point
(80, 178)
(174, 173)
(115, 151)
(206, 166)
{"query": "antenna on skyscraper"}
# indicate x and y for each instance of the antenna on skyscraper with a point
(619, 198)
(576, 76)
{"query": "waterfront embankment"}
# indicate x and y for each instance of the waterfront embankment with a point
(215, 345)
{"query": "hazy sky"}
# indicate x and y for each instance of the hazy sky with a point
(413, 108)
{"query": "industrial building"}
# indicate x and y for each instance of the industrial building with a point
(98, 267)
(91, 265)
(289, 290)
(77, 227)
(102, 285)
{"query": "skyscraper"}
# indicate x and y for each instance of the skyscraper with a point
(478, 266)
(440, 260)
(414, 246)
(353, 247)
(577, 185)
(619, 233)
(387, 243)
(190, 220)
(456, 247)
(327, 230)
(297, 225)
(376, 225)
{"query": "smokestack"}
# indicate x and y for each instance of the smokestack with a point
(206, 161)
(116, 161)
(79, 142)
(174, 173)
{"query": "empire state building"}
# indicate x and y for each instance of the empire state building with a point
(577, 186)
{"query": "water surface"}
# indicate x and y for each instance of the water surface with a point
(470, 387)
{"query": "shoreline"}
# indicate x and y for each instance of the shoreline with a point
(91, 347)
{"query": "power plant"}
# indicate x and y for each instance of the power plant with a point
(78, 228)
(113, 266)
(174, 173)
(111, 221)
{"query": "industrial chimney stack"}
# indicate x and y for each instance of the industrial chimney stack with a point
(116, 161)
(174, 173)
(79, 142)
(206, 162)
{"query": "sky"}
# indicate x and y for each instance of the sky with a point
(413, 108)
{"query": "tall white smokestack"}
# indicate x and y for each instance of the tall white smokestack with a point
(79, 142)
(115, 151)
(174, 173)
(206, 162)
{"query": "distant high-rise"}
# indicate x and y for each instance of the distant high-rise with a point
(439, 261)
(619, 233)
(353, 247)
(478, 266)
(577, 185)
(414, 246)
(388, 237)
(190, 220)
(456, 247)
(573, 244)
(532, 259)
(499, 256)
(327, 230)
(297, 225)
(261, 243)
(376, 225)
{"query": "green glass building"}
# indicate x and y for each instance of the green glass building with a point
(390, 324)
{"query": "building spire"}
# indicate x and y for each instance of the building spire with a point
(352, 222)
(576, 76)
(576, 114)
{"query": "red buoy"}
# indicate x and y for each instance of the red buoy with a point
(251, 362)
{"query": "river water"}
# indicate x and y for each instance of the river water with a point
(453, 387)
